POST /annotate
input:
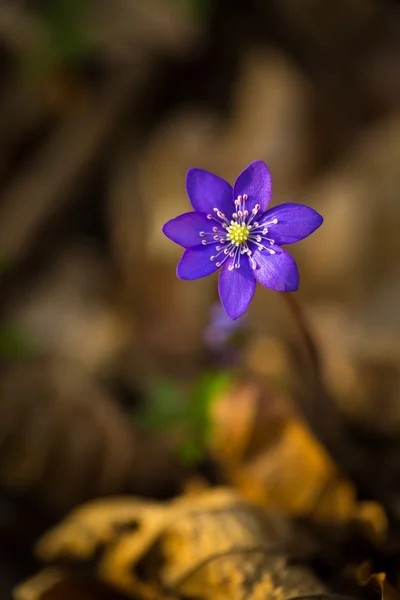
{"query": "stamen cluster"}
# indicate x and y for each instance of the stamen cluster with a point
(237, 234)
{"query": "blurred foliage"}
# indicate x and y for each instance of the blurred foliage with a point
(66, 41)
(15, 343)
(201, 8)
(170, 409)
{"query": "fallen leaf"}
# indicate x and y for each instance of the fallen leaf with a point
(296, 475)
(37, 586)
(211, 546)
(54, 584)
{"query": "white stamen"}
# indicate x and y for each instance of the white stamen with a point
(234, 235)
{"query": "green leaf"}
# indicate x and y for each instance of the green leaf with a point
(169, 408)
(200, 8)
(166, 406)
(192, 451)
(211, 385)
(68, 41)
(14, 343)
(209, 388)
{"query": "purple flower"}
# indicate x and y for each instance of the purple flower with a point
(232, 229)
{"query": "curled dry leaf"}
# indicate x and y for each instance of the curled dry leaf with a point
(57, 424)
(358, 456)
(298, 462)
(214, 546)
(247, 418)
(268, 453)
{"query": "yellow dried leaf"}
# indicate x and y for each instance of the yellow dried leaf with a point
(212, 546)
(246, 418)
(100, 523)
(297, 476)
(37, 586)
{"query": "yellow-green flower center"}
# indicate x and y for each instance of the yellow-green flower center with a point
(237, 233)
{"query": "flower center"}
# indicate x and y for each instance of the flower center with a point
(238, 237)
(237, 233)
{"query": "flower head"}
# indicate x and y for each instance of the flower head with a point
(231, 229)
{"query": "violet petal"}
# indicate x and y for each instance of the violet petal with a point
(236, 287)
(185, 229)
(295, 222)
(196, 262)
(255, 181)
(276, 271)
(207, 191)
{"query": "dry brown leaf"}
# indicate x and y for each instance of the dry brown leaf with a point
(295, 474)
(214, 546)
(58, 423)
(100, 523)
(271, 456)
(41, 189)
(246, 418)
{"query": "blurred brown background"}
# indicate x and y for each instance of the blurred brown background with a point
(104, 105)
